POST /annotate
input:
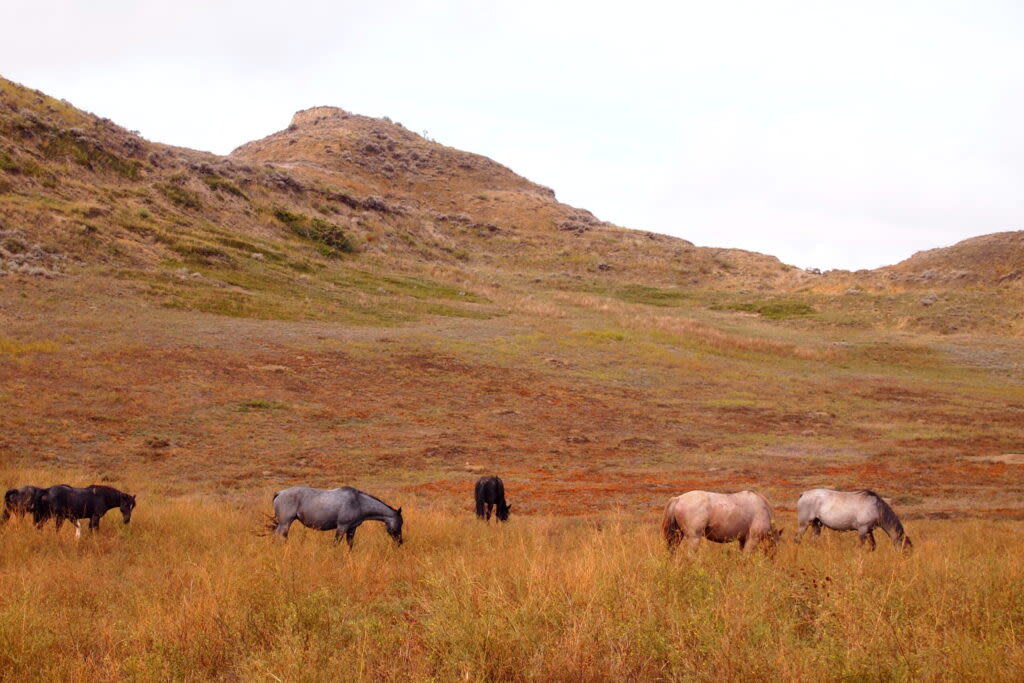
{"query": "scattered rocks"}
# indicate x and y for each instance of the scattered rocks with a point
(929, 299)
(18, 257)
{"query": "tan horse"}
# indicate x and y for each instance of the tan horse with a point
(720, 517)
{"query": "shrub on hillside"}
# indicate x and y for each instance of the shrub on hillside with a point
(330, 238)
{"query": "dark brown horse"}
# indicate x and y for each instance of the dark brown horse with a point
(70, 503)
(21, 501)
(490, 494)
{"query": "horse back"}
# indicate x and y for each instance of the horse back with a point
(490, 490)
(734, 515)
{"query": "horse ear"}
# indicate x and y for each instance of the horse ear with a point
(399, 510)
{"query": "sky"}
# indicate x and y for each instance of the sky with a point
(828, 134)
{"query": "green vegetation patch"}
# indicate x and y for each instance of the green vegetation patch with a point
(411, 286)
(7, 163)
(650, 296)
(219, 184)
(331, 239)
(260, 404)
(772, 309)
(69, 144)
(14, 347)
(179, 196)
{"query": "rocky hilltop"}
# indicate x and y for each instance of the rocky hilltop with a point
(335, 191)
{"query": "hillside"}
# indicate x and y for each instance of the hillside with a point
(347, 303)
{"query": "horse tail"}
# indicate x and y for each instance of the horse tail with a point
(669, 525)
(478, 497)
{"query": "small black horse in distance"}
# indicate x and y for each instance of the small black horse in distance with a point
(490, 494)
(20, 501)
(70, 503)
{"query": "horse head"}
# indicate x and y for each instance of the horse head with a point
(394, 526)
(903, 543)
(127, 505)
(502, 511)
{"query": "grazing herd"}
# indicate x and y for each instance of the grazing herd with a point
(63, 502)
(746, 517)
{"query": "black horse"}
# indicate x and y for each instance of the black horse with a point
(67, 502)
(21, 501)
(490, 493)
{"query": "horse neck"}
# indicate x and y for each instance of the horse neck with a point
(889, 523)
(376, 509)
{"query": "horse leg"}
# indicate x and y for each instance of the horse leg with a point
(817, 527)
(94, 523)
(750, 543)
(489, 507)
(282, 527)
(78, 529)
(867, 535)
(350, 536)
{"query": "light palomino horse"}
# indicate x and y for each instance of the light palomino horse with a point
(860, 511)
(720, 517)
(341, 509)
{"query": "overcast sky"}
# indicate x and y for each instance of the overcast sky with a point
(829, 134)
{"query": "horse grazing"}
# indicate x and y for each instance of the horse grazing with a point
(862, 511)
(490, 494)
(70, 503)
(720, 517)
(341, 509)
(21, 501)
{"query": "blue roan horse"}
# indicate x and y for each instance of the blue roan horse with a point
(341, 509)
(70, 503)
(861, 511)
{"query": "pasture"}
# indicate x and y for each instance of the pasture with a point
(593, 410)
(189, 591)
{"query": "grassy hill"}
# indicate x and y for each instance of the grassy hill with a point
(346, 302)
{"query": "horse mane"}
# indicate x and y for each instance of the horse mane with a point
(102, 490)
(371, 497)
(887, 518)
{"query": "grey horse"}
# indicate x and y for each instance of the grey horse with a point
(341, 509)
(863, 511)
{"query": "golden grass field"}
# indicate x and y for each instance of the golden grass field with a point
(190, 591)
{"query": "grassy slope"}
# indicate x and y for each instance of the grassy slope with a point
(170, 361)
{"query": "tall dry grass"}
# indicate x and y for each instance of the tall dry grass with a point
(189, 591)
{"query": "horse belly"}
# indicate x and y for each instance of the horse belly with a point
(723, 531)
(318, 522)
